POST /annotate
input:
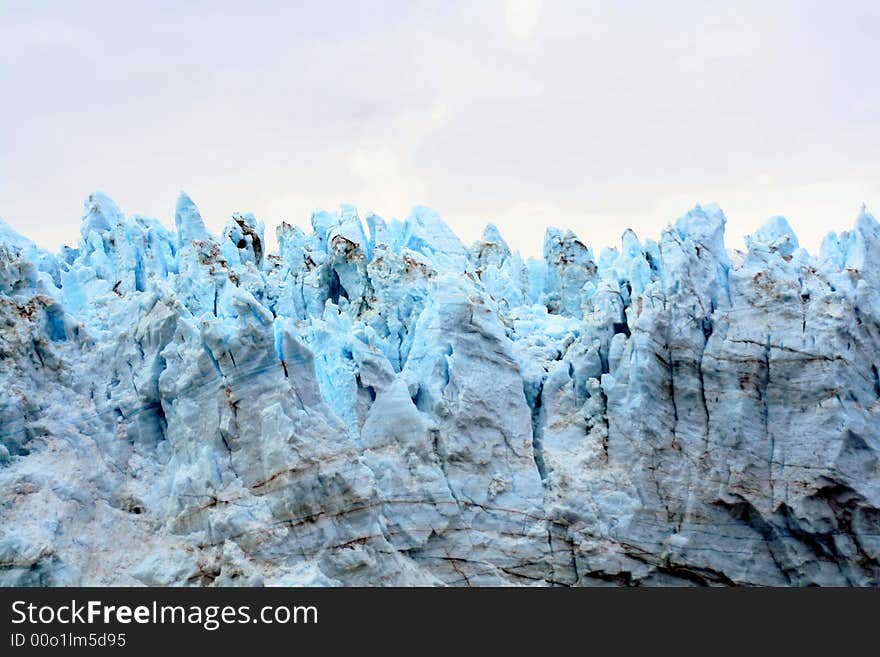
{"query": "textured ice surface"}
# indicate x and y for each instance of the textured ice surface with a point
(379, 404)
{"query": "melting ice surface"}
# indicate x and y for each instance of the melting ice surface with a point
(377, 403)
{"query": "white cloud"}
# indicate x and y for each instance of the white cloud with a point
(383, 182)
(440, 113)
(521, 17)
(49, 34)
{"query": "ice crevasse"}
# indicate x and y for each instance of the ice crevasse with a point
(377, 403)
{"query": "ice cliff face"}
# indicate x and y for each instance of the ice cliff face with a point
(378, 404)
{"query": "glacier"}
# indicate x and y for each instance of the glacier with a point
(377, 404)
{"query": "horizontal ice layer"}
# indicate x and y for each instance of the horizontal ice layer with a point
(378, 404)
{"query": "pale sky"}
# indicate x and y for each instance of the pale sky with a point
(594, 116)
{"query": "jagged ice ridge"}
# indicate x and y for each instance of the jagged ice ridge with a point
(378, 404)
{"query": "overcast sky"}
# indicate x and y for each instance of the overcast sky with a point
(594, 116)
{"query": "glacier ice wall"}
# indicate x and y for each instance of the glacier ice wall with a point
(378, 404)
